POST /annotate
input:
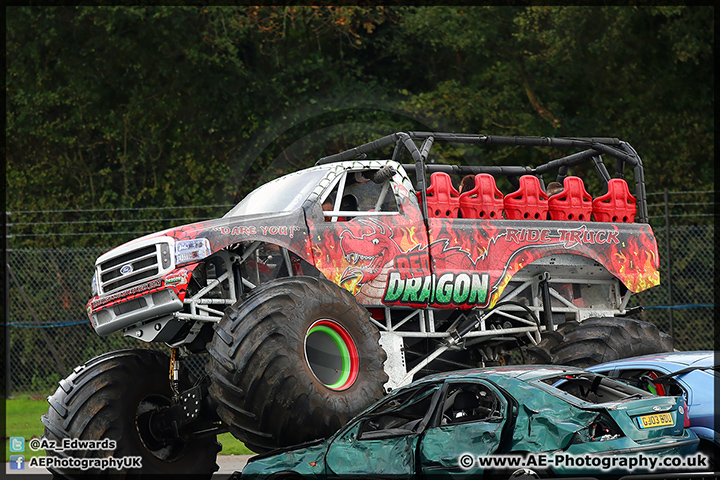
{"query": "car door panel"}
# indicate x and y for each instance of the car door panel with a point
(447, 448)
(383, 441)
(379, 457)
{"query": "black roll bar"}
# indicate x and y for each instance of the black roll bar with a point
(593, 148)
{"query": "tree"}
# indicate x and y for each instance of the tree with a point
(111, 107)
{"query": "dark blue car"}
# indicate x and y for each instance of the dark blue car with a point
(694, 375)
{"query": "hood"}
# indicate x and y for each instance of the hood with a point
(287, 229)
(306, 459)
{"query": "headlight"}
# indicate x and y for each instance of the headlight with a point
(94, 285)
(191, 250)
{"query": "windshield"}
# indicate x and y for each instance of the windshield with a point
(280, 195)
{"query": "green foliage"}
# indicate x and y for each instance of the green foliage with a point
(118, 107)
(686, 256)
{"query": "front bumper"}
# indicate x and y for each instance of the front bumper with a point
(139, 309)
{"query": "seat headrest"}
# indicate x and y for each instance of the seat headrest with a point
(465, 400)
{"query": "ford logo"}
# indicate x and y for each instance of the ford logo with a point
(657, 408)
(125, 269)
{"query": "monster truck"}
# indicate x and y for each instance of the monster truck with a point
(328, 287)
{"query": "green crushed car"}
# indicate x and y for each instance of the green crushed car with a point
(571, 420)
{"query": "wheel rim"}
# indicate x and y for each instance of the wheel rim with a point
(331, 354)
(164, 451)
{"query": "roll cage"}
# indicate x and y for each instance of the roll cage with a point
(590, 149)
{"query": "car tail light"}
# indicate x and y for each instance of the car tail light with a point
(686, 411)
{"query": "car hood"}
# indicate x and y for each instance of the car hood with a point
(306, 459)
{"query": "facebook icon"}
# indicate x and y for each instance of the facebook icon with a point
(17, 462)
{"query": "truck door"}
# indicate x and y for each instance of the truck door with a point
(456, 249)
(368, 236)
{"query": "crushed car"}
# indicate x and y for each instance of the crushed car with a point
(452, 423)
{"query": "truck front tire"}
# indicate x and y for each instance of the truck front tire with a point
(294, 362)
(112, 397)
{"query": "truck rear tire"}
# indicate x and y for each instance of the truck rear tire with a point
(112, 397)
(597, 340)
(294, 362)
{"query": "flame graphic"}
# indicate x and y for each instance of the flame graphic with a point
(630, 253)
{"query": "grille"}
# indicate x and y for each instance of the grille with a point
(134, 267)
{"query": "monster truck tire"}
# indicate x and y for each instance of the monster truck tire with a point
(110, 397)
(597, 340)
(274, 385)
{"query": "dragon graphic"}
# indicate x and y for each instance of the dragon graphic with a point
(445, 257)
(374, 249)
(369, 251)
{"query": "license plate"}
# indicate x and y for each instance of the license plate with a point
(656, 420)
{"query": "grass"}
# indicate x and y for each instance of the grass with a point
(22, 416)
(22, 419)
(232, 446)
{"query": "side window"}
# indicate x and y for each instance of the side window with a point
(359, 193)
(471, 402)
(400, 415)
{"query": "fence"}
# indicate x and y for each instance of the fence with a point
(48, 332)
(683, 304)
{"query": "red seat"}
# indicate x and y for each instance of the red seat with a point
(573, 203)
(617, 205)
(529, 202)
(483, 201)
(442, 197)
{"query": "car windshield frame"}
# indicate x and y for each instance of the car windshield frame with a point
(283, 194)
(390, 406)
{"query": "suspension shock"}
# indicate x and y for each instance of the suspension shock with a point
(175, 374)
